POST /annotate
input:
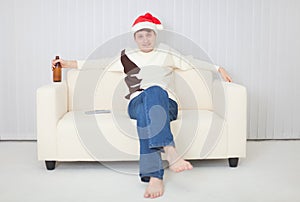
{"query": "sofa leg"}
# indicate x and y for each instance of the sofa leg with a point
(233, 162)
(50, 165)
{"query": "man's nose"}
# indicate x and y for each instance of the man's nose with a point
(145, 39)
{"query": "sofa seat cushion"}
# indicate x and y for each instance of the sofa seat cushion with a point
(113, 136)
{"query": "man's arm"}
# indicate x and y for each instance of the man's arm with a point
(65, 63)
(180, 62)
(224, 74)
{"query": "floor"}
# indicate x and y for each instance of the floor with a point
(269, 173)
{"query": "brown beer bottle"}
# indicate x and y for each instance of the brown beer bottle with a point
(57, 71)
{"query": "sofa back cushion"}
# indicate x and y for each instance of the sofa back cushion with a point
(98, 88)
(193, 89)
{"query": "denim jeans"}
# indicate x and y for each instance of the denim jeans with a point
(153, 110)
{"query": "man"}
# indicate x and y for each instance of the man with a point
(151, 102)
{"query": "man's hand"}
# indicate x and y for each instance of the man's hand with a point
(65, 63)
(224, 74)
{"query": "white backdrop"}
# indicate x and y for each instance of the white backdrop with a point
(257, 41)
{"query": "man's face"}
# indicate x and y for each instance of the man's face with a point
(145, 40)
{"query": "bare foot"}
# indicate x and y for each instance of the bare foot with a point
(155, 188)
(176, 163)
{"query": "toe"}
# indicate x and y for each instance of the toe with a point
(146, 195)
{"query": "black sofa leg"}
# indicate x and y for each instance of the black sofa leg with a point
(50, 165)
(233, 162)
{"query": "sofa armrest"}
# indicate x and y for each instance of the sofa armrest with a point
(51, 105)
(236, 117)
(230, 101)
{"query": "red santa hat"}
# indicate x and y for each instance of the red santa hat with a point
(147, 21)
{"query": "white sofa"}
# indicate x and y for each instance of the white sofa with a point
(211, 123)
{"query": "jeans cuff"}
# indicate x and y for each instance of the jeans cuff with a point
(146, 177)
(161, 144)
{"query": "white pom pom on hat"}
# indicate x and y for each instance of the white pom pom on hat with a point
(146, 21)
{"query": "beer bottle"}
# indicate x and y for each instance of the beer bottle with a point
(57, 71)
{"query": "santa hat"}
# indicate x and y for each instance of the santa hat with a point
(147, 21)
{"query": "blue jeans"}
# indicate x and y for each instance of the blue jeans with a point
(153, 110)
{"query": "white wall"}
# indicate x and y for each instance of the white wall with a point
(256, 40)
